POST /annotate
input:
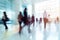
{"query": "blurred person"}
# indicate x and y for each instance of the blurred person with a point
(36, 19)
(33, 19)
(57, 19)
(45, 19)
(40, 21)
(25, 18)
(29, 23)
(5, 19)
(49, 21)
(20, 21)
(57, 24)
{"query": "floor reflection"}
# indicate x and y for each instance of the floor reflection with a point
(36, 33)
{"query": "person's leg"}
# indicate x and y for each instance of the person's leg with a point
(29, 28)
(5, 25)
(33, 24)
(20, 28)
(44, 25)
(19, 23)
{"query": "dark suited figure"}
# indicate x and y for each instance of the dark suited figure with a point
(25, 16)
(5, 19)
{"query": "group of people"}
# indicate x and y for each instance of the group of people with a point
(27, 20)
(21, 19)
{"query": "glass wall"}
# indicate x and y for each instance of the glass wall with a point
(7, 5)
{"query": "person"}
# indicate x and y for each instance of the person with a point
(33, 19)
(29, 23)
(49, 21)
(20, 18)
(25, 18)
(20, 21)
(45, 19)
(5, 19)
(57, 23)
(40, 21)
(36, 19)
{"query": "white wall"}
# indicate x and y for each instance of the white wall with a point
(51, 6)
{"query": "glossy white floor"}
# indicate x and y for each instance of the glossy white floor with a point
(37, 32)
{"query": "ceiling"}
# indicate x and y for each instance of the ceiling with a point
(7, 4)
(31, 1)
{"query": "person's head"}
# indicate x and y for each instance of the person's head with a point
(32, 14)
(25, 9)
(20, 12)
(4, 13)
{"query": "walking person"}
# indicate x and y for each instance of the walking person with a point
(20, 21)
(5, 19)
(45, 19)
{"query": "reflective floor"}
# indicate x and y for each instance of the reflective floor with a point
(52, 32)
